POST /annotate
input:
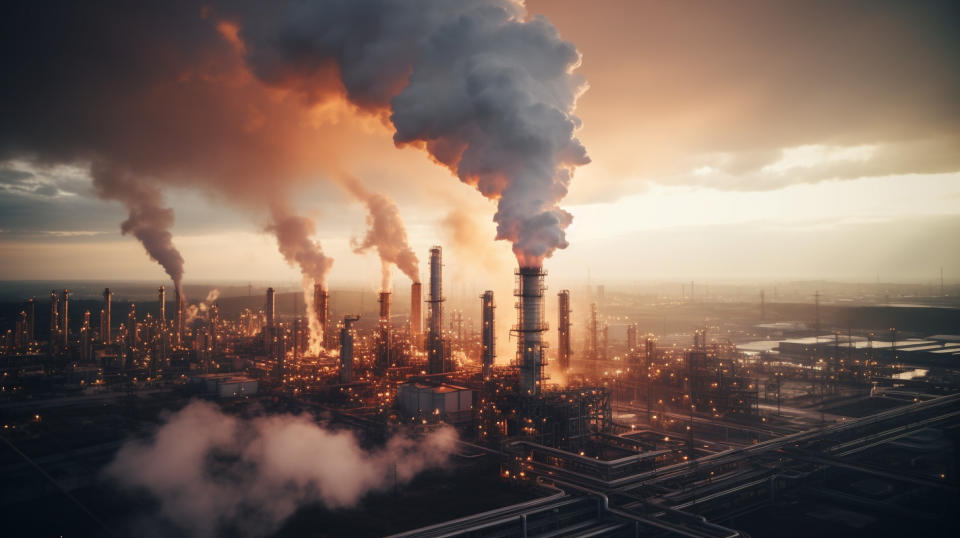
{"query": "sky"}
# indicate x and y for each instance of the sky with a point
(726, 141)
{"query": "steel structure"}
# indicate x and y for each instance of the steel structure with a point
(530, 328)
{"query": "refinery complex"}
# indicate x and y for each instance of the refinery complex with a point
(714, 428)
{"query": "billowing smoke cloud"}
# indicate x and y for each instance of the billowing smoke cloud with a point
(487, 92)
(385, 232)
(149, 221)
(200, 96)
(294, 238)
(211, 471)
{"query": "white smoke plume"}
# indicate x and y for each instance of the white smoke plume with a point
(487, 91)
(149, 221)
(201, 309)
(385, 232)
(294, 238)
(209, 470)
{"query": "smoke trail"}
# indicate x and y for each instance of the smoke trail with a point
(385, 232)
(293, 233)
(211, 471)
(486, 91)
(149, 221)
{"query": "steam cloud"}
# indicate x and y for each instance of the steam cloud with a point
(487, 92)
(209, 470)
(201, 309)
(385, 232)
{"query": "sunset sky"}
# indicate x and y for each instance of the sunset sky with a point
(728, 140)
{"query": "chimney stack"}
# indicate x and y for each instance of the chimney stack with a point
(530, 327)
(435, 327)
(271, 308)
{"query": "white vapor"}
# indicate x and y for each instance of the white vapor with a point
(211, 471)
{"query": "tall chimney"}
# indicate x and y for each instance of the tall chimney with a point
(346, 349)
(54, 319)
(271, 308)
(416, 312)
(105, 320)
(530, 327)
(65, 316)
(487, 333)
(563, 330)
(435, 327)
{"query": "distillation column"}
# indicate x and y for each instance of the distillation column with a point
(563, 330)
(64, 313)
(488, 335)
(321, 302)
(383, 334)
(105, 318)
(416, 312)
(346, 349)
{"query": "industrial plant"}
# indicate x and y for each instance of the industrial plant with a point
(635, 429)
(727, 326)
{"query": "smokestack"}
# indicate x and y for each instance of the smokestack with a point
(530, 328)
(632, 331)
(346, 349)
(105, 319)
(271, 308)
(435, 327)
(54, 319)
(487, 335)
(383, 337)
(563, 330)
(65, 315)
(416, 313)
